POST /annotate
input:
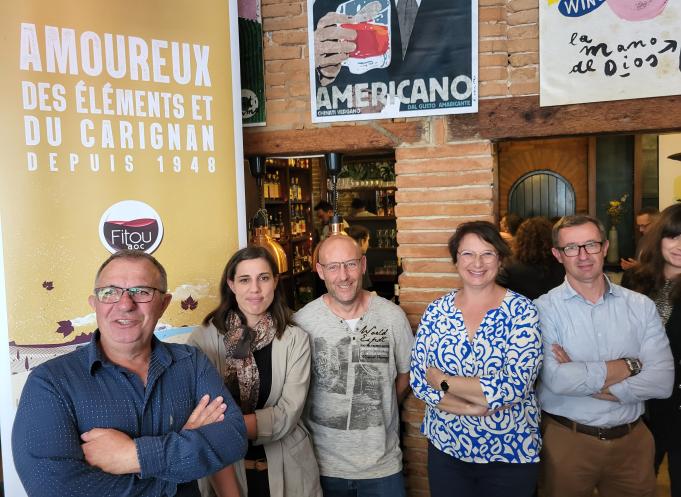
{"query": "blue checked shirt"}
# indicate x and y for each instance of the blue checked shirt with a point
(77, 392)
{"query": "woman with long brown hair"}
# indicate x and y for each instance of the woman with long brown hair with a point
(658, 275)
(265, 363)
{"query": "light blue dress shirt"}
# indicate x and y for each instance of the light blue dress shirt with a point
(621, 324)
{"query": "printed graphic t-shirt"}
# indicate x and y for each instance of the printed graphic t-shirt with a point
(352, 409)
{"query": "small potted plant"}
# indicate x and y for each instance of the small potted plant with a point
(615, 210)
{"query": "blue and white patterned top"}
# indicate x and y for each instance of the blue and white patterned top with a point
(505, 355)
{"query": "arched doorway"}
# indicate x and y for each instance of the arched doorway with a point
(541, 193)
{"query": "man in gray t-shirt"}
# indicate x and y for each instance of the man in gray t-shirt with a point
(361, 345)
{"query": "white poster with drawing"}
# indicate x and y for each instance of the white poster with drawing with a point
(601, 50)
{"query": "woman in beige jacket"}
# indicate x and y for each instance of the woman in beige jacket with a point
(265, 362)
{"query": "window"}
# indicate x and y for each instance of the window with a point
(541, 193)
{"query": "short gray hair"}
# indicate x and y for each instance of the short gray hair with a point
(576, 220)
(136, 254)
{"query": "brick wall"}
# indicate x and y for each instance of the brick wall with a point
(440, 184)
(566, 156)
(446, 174)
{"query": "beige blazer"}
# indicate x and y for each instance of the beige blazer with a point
(291, 464)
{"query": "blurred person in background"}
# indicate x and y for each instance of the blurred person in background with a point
(358, 208)
(324, 212)
(508, 226)
(532, 270)
(644, 220)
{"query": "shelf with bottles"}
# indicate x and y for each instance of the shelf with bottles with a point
(300, 221)
(373, 172)
(302, 258)
(303, 293)
(384, 239)
(287, 192)
(287, 196)
(290, 162)
(272, 185)
(389, 269)
(297, 193)
(344, 184)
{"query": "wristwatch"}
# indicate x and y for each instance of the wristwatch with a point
(444, 386)
(634, 365)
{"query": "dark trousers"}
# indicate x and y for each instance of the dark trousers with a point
(189, 489)
(258, 483)
(665, 444)
(450, 477)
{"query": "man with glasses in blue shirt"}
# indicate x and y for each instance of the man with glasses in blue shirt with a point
(361, 346)
(126, 415)
(605, 353)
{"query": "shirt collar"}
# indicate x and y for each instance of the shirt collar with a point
(568, 292)
(96, 359)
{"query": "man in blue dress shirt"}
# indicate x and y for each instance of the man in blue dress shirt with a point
(605, 353)
(126, 415)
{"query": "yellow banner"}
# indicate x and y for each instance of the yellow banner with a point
(118, 131)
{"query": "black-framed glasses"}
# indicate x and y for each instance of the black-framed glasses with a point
(349, 265)
(572, 250)
(138, 294)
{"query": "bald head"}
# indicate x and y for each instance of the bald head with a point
(338, 243)
(340, 265)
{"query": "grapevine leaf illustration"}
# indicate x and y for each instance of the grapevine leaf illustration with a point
(189, 304)
(65, 327)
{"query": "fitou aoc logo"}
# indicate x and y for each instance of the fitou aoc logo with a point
(131, 224)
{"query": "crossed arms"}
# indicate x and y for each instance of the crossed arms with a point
(565, 374)
(51, 461)
(489, 392)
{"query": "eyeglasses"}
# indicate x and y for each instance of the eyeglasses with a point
(487, 257)
(349, 265)
(573, 249)
(138, 294)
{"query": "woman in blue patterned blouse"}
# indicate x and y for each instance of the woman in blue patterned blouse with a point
(474, 363)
